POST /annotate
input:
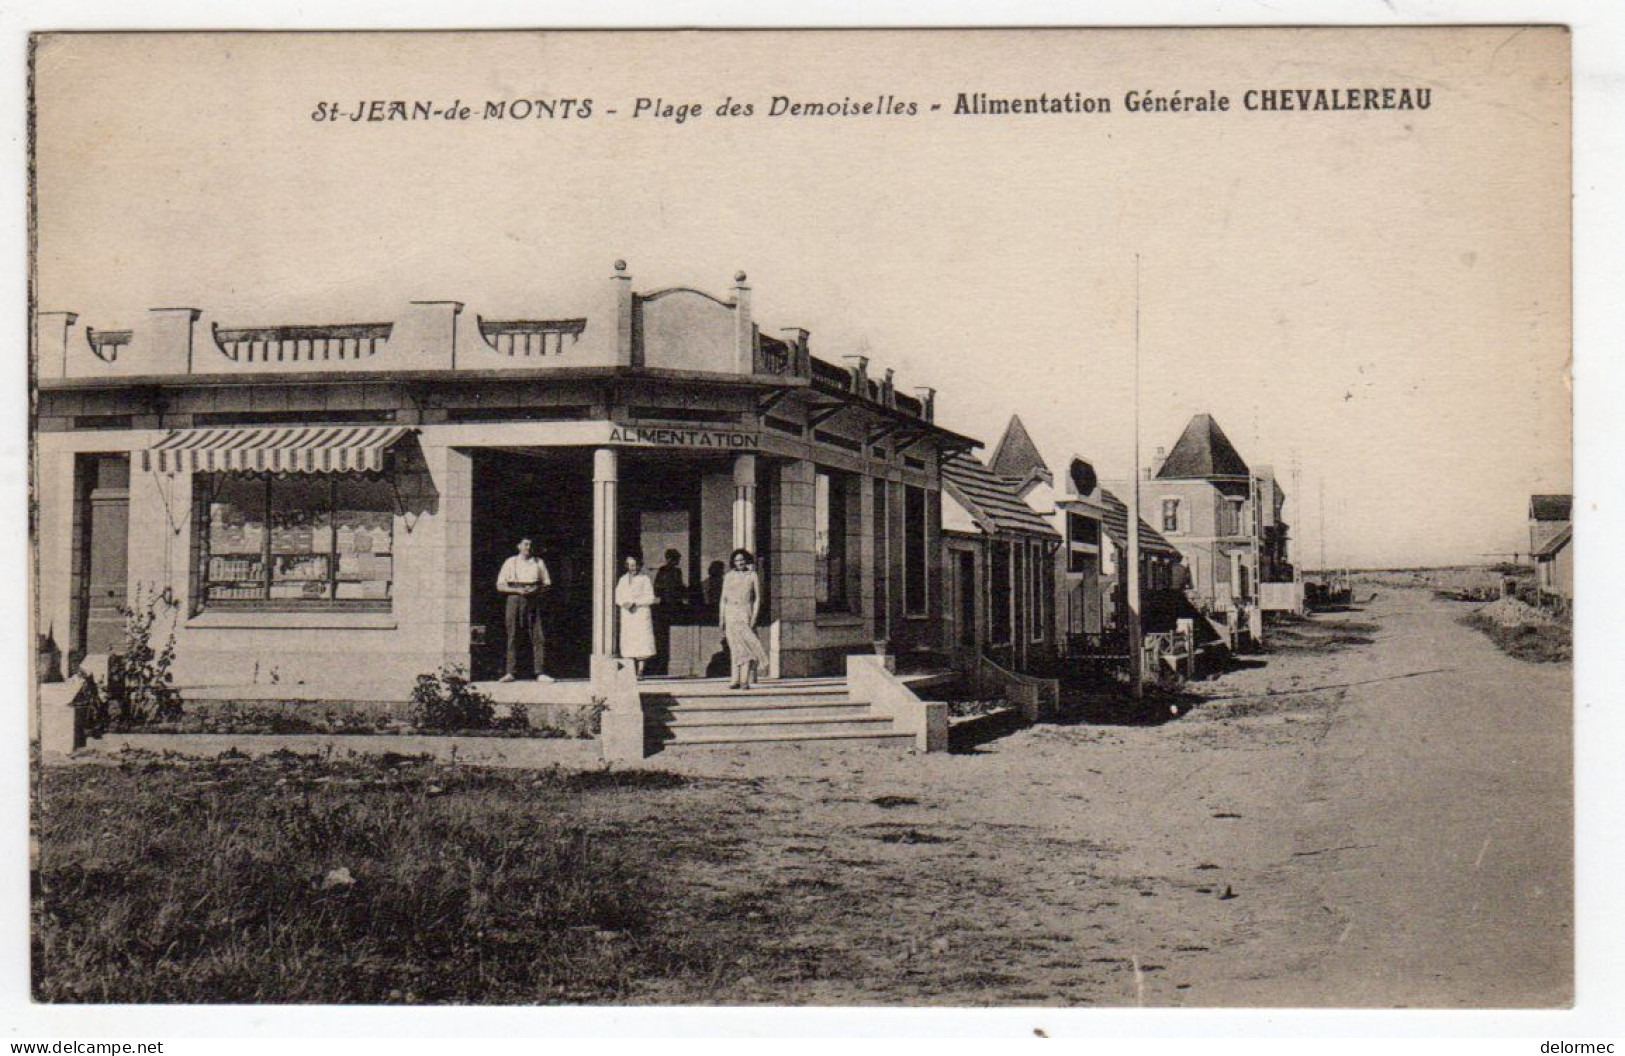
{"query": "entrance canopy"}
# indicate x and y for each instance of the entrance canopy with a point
(313, 449)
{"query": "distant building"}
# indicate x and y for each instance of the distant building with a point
(1548, 515)
(1225, 519)
(999, 559)
(1075, 508)
(1551, 541)
(1163, 574)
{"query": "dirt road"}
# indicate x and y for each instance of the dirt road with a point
(1380, 814)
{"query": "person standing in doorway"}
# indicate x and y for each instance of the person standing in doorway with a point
(523, 579)
(635, 596)
(671, 597)
(741, 598)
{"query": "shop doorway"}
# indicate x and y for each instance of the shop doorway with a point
(544, 496)
(668, 502)
(102, 546)
(684, 504)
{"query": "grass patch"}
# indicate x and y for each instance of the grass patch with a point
(293, 880)
(1540, 643)
(546, 721)
(1318, 636)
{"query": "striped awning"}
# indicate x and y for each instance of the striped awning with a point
(304, 449)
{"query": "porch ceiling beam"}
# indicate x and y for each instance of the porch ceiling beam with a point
(819, 417)
(910, 438)
(821, 399)
(889, 429)
(772, 400)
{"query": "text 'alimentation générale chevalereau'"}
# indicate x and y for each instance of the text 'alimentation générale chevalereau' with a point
(1342, 99)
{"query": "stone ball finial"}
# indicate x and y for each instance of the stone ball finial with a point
(739, 276)
(620, 265)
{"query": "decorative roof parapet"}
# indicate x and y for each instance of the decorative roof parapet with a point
(106, 344)
(531, 338)
(301, 346)
(676, 330)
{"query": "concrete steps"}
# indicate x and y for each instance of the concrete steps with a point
(806, 710)
(890, 740)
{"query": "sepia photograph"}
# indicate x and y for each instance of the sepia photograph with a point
(949, 518)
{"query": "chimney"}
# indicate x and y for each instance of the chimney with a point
(1156, 462)
(858, 368)
(744, 326)
(888, 389)
(52, 332)
(928, 402)
(169, 336)
(798, 339)
(621, 306)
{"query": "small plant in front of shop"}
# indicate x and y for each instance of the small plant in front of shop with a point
(140, 688)
(446, 701)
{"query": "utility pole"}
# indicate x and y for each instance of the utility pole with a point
(1136, 645)
(1323, 525)
(1296, 499)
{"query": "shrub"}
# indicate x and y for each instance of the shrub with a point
(140, 684)
(446, 700)
(1537, 641)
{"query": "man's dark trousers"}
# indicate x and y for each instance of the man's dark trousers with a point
(524, 619)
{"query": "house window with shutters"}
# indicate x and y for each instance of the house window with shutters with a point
(1170, 515)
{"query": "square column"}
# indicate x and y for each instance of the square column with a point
(744, 508)
(456, 487)
(794, 535)
(605, 514)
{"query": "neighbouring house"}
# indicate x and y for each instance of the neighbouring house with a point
(1075, 509)
(1551, 542)
(315, 494)
(1163, 574)
(1225, 519)
(1274, 556)
(1548, 515)
(999, 560)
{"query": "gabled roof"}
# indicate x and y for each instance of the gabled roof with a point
(1551, 507)
(1202, 451)
(992, 501)
(1017, 457)
(1115, 521)
(1550, 547)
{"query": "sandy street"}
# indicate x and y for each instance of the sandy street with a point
(1379, 814)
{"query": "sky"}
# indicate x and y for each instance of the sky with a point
(1375, 304)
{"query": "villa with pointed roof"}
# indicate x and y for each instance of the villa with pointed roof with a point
(1224, 516)
(1017, 458)
(1203, 453)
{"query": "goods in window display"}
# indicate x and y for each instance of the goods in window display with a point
(318, 551)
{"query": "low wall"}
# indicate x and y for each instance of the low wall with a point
(1039, 699)
(872, 680)
(1281, 597)
(527, 752)
(622, 738)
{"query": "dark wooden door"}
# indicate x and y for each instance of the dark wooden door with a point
(967, 598)
(105, 547)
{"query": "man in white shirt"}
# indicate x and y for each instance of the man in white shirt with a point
(523, 579)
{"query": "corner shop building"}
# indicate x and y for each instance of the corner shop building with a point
(331, 503)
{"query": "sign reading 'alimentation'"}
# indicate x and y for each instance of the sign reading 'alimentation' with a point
(677, 436)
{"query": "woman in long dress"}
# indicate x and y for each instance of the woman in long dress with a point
(741, 598)
(634, 595)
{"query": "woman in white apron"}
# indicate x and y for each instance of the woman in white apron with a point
(634, 595)
(741, 598)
